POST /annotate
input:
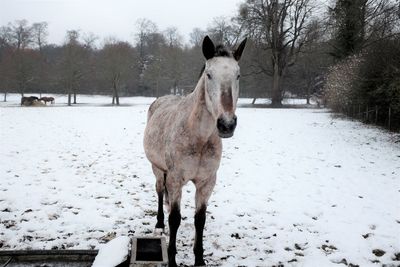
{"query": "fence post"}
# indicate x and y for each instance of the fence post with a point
(390, 111)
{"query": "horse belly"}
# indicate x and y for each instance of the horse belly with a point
(153, 148)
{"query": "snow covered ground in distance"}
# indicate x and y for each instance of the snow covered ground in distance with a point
(296, 187)
(102, 100)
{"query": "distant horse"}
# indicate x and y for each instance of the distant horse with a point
(182, 140)
(46, 99)
(28, 101)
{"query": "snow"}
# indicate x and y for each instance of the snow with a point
(113, 253)
(267, 101)
(297, 187)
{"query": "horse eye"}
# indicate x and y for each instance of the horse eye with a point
(208, 76)
(238, 76)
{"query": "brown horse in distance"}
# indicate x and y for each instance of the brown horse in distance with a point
(46, 99)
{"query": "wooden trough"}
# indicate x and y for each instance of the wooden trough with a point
(56, 258)
(145, 252)
(149, 251)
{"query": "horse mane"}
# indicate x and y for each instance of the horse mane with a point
(220, 51)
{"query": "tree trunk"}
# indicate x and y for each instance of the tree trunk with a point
(175, 87)
(74, 96)
(69, 98)
(115, 93)
(22, 88)
(116, 96)
(5, 96)
(276, 100)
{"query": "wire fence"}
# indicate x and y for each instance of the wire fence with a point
(378, 115)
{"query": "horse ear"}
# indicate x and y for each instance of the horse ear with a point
(238, 52)
(208, 48)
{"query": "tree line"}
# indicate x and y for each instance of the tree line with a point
(295, 48)
(364, 82)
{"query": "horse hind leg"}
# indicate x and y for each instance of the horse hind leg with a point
(166, 197)
(160, 189)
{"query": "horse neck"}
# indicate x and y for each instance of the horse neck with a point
(200, 122)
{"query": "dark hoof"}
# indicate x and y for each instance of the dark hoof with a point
(200, 263)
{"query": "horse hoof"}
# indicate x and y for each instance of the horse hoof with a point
(200, 264)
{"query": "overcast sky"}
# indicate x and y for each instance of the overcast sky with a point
(115, 17)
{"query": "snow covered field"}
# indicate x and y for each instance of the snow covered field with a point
(296, 187)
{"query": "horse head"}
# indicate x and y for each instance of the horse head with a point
(221, 75)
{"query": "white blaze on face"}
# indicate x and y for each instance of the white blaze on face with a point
(222, 86)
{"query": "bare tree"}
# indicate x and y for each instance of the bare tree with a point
(225, 31)
(279, 27)
(39, 38)
(154, 76)
(72, 66)
(89, 40)
(173, 37)
(116, 60)
(6, 52)
(172, 55)
(20, 36)
(146, 28)
(197, 36)
(40, 34)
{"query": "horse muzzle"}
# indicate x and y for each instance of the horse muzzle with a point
(225, 127)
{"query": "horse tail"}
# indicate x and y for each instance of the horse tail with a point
(166, 200)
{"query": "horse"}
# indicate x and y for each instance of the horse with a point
(28, 101)
(182, 140)
(46, 99)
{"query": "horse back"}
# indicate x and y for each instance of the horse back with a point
(162, 104)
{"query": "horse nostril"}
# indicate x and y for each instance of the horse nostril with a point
(221, 125)
(232, 125)
(226, 127)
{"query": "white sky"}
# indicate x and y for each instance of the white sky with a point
(115, 18)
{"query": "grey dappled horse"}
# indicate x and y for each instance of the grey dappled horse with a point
(182, 139)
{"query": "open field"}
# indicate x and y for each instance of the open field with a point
(296, 186)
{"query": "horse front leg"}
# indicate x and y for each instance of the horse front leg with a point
(174, 218)
(203, 193)
(199, 222)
